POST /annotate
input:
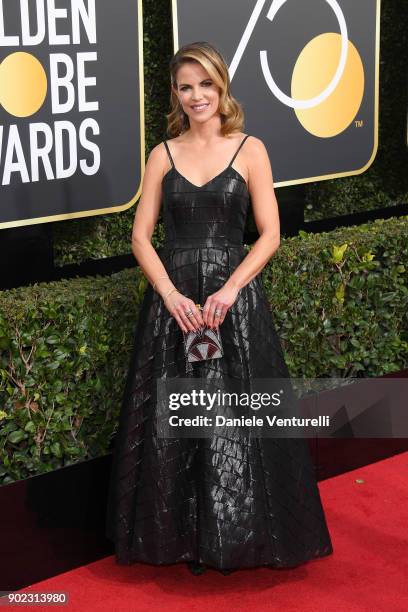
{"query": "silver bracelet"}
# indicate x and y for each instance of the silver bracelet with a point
(168, 293)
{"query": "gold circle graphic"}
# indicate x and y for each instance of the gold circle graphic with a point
(23, 84)
(312, 74)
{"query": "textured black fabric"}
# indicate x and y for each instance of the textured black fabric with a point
(228, 502)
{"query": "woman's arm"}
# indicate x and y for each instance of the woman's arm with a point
(266, 214)
(147, 213)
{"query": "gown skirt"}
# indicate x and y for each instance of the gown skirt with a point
(228, 501)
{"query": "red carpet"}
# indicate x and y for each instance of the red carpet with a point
(368, 570)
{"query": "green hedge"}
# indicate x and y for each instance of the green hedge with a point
(339, 301)
(384, 184)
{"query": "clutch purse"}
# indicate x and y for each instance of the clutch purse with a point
(205, 343)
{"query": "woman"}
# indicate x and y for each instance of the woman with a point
(231, 501)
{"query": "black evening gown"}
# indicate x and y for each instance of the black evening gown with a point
(225, 501)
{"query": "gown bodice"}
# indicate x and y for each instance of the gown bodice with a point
(213, 214)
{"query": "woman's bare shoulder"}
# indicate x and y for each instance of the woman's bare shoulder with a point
(255, 150)
(158, 160)
(254, 142)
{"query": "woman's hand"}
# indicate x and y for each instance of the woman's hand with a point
(178, 306)
(218, 304)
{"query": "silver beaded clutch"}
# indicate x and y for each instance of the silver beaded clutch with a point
(203, 344)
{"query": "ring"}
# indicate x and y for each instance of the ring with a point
(189, 313)
(217, 313)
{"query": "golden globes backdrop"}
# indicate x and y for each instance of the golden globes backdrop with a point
(71, 108)
(306, 72)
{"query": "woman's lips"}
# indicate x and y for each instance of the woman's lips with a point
(200, 107)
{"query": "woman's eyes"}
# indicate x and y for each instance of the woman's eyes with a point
(206, 84)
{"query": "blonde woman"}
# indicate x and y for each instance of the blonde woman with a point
(223, 501)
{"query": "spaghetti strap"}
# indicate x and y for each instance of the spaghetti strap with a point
(168, 152)
(237, 151)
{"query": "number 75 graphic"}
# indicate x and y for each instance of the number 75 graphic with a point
(317, 59)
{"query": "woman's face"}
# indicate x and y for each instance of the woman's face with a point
(198, 95)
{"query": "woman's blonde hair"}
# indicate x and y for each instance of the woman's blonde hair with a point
(232, 114)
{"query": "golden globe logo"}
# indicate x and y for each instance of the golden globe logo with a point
(62, 147)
